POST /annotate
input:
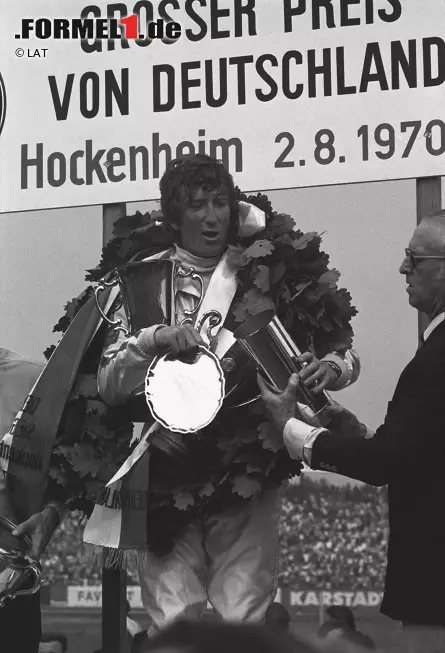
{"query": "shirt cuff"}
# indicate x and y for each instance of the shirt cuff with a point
(349, 364)
(59, 507)
(369, 433)
(308, 444)
(299, 437)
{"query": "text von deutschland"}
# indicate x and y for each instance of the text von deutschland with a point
(192, 85)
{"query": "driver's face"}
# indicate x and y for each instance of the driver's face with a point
(204, 222)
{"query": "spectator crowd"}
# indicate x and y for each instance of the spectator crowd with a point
(331, 538)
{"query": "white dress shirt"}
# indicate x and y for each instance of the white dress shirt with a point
(433, 324)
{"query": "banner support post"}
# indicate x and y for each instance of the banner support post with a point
(320, 608)
(428, 199)
(114, 581)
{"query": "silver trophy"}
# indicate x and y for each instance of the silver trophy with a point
(268, 343)
(20, 575)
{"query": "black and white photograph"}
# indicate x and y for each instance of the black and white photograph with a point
(222, 326)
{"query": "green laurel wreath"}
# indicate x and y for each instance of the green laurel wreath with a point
(280, 267)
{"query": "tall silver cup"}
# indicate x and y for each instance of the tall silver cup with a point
(268, 343)
(20, 575)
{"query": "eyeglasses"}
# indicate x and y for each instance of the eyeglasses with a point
(414, 258)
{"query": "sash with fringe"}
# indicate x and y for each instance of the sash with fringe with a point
(25, 451)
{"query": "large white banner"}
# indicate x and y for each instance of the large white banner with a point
(288, 93)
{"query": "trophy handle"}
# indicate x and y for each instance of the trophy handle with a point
(196, 277)
(115, 323)
(215, 319)
(33, 569)
(18, 562)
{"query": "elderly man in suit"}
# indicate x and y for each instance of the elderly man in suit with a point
(407, 452)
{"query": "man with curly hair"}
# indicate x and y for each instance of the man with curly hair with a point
(223, 551)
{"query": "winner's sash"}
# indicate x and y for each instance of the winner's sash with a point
(25, 451)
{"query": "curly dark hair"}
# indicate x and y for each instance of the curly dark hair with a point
(187, 174)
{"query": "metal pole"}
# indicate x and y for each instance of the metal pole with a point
(428, 199)
(114, 581)
(110, 213)
(320, 608)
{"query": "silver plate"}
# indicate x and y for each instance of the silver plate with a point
(185, 396)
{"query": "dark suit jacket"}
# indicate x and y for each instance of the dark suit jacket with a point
(407, 454)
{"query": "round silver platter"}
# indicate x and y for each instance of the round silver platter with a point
(185, 396)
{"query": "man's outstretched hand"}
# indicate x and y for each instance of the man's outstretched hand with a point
(280, 406)
(40, 528)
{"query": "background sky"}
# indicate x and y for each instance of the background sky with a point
(44, 255)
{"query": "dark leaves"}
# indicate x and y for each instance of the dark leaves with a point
(280, 267)
(72, 308)
(252, 303)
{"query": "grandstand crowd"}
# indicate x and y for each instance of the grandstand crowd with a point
(331, 537)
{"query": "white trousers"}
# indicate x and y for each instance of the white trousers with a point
(230, 560)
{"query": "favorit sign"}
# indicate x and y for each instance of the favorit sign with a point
(90, 596)
(287, 93)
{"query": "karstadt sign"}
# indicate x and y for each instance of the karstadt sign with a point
(97, 98)
(307, 598)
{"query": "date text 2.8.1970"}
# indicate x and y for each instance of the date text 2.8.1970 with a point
(382, 142)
